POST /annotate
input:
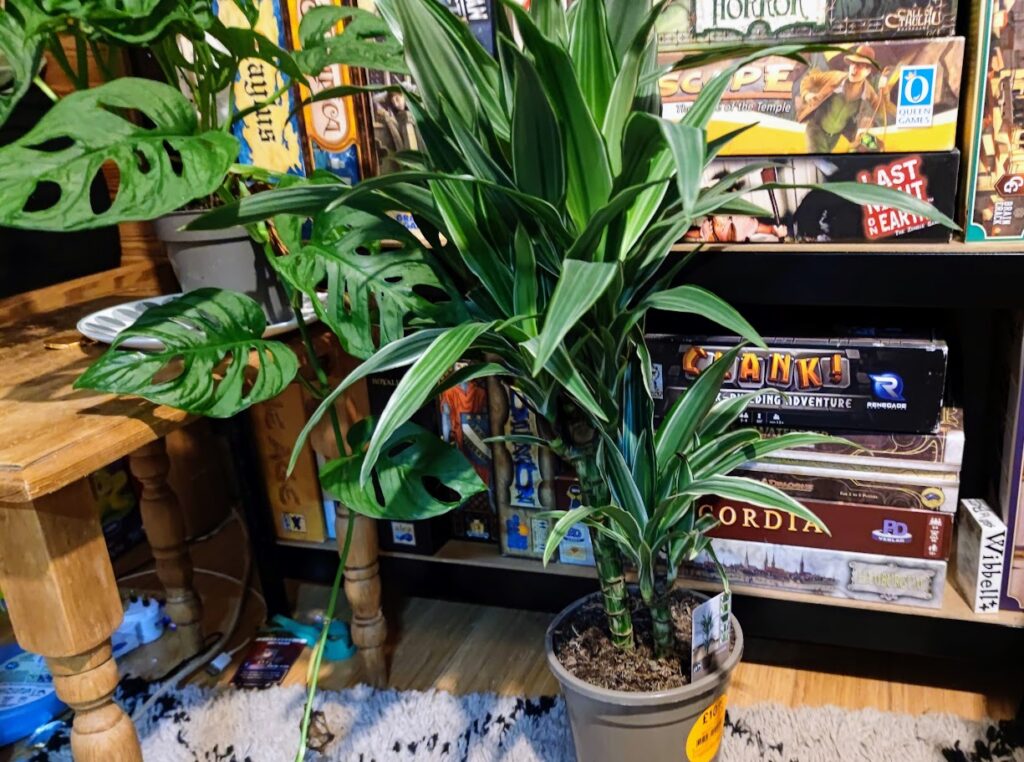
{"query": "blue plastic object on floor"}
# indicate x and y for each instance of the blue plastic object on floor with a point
(27, 698)
(339, 642)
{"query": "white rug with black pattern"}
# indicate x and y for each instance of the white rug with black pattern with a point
(366, 725)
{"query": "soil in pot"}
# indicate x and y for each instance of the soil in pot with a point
(584, 647)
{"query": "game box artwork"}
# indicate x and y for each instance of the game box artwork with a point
(808, 214)
(900, 532)
(828, 573)
(870, 384)
(888, 96)
(1011, 478)
(686, 23)
(941, 451)
(994, 123)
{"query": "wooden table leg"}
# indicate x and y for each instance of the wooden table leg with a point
(64, 605)
(165, 529)
(362, 586)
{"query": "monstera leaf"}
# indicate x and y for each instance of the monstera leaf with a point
(417, 476)
(214, 360)
(20, 55)
(163, 165)
(365, 41)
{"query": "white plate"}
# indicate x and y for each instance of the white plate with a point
(104, 325)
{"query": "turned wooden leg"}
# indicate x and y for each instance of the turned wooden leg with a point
(362, 586)
(165, 529)
(64, 605)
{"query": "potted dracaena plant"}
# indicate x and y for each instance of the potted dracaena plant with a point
(173, 142)
(549, 195)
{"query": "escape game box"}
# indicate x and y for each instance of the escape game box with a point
(687, 23)
(994, 123)
(805, 214)
(863, 383)
(887, 96)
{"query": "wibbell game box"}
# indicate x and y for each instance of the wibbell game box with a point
(868, 384)
(806, 214)
(687, 23)
(1011, 478)
(994, 123)
(887, 96)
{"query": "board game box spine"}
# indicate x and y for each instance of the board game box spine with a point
(799, 212)
(923, 490)
(980, 553)
(827, 573)
(903, 532)
(332, 128)
(993, 180)
(1012, 463)
(295, 499)
(523, 475)
(881, 384)
(688, 23)
(942, 451)
(576, 547)
(887, 96)
(270, 137)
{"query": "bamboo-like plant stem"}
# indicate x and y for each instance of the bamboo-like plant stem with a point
(661, 625)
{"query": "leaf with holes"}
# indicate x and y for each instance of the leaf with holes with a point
(162, 167)
(214, 361)
(20, 54)
(416, 476)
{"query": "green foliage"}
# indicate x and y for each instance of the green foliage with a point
(214, 360)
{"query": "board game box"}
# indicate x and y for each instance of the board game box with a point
(806, 214)
(903, 532)
(576, 547)
(687, 23)
(863, 484)
(993, 191)
(941, 451)
(331, 128)
(867, 384)
(270, 136)
(980, 554)
(828, 573)
(1011, 477)
(889, 96)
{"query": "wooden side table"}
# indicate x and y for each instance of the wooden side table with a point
(54, 567)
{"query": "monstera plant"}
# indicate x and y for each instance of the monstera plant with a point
(548, 194)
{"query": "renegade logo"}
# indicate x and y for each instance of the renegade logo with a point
(756, 369)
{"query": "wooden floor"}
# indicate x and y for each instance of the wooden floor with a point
(464, 648)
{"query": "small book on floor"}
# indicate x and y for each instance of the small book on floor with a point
(267, 662)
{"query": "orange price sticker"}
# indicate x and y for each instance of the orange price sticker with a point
(706, 734)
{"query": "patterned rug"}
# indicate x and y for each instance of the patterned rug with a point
(364, 725)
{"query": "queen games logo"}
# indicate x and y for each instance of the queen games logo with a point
(894, 532)
(915, 105)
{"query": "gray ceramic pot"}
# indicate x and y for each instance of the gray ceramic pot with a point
(668, 726)
(222, 259)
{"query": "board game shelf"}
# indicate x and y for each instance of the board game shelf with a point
(481, 555)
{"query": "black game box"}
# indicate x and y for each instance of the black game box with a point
(866, 384)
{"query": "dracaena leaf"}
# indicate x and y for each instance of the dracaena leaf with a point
(592, 56)
(698, 301)
(162, 167)
(212, 340)
(404, 478)
(753, 492)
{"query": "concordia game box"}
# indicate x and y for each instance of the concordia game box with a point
(994, 123)
(869, 384)
(835, 102)
(942, 451)
(686, 23)
(864, 529)
(829, 573)
(1011, 478)
(805, 214)
(865, 484)
(980, 554)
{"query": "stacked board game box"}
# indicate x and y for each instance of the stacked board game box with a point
(887, 493)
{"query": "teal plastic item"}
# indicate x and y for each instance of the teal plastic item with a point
(339, 642)
(27, 698)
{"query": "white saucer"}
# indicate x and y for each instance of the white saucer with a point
(105, 325)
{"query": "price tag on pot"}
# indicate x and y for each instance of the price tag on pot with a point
(706, 734)
(711, 634)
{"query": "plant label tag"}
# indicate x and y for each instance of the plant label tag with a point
(711, 634)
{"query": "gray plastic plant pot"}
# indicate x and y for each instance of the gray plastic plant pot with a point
(226, 259)
(679, 725)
